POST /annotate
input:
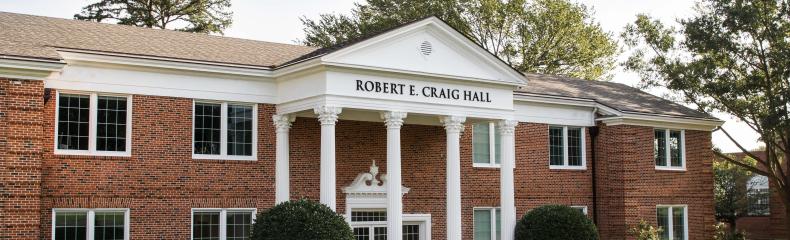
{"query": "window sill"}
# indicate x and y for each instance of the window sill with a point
(91, 154)
(223, 157)
(563, 167)
(486, 165)
(675, 169)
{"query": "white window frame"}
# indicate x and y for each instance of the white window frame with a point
(671, 219)
(223, 139)
(223, 225)
(93, 110)
(91, 214)
(582, 207)
(583, 142)
(493, 219)
(668, 150)
(491, 148)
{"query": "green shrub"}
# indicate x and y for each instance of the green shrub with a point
(555, 222)
(723, 232)
(645, 231)
(298, 220)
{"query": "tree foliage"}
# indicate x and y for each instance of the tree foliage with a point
(731, 191)
(645, 231)
(204, 16)
(300, 219)
(732, 57)
(543, 36)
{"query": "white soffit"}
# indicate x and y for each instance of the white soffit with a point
(426, 47)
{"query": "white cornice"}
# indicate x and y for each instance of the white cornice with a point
(673, 122)
(28, 68)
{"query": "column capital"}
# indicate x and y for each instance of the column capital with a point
(393, 120)
(327, 115)
(453, 123)
(282, 122)
(507, 126)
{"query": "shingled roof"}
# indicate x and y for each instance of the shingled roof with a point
(32, 36)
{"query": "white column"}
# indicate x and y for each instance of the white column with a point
(453, 125)
(327, 115)
(394, 121)
(282, 124)
(507, 130)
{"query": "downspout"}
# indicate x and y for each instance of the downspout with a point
(593, 138)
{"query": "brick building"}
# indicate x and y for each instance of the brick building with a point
(118, 132)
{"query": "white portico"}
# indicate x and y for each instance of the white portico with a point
(424, 73)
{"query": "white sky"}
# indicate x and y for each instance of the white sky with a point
(278, 21)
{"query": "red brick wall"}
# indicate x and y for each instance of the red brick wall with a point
(778, 215)
(21, 103)
(630, 187)
(757, 227)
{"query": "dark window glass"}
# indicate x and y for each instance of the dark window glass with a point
(205, 226)
(111, 124)
(70, 225)
(207, 128)
(556, 143)
(73, 115)
(240, 130)
(759, 202)
(678, 223)
(575, 146)
(660, 147)
(362, 233)
(109, 226)
(411, 232)
(368, 216)
(239, 225)
(662, 216)
(674, 148)
(380, 233)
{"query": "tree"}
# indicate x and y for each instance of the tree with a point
(203, 16)
(731, 191)
(300, 219)
(731, 57)
(543, 36)
(555, 222)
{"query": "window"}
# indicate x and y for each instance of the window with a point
(669, 149)
(93, 124)
(224, 131)
(485, 145)
(758, 196)
(673, 220)
(566, 148)
(371, 224)
(487, 224)
(582, 209)
(222, 224)
(90, 224)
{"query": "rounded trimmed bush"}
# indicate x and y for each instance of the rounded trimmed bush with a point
(555, 222)
(301, 219)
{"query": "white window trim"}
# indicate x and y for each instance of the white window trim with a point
(670, 219)
(493, 219)
(223, 212)
(91, 214)
(583, 142)
(223, 139)
(424, 220)
(492, 150)
(669, 166)
(583, 208)
(92, 125)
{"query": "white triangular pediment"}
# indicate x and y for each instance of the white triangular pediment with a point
(428, 47)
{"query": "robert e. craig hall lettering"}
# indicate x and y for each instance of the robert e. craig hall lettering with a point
(427, 91)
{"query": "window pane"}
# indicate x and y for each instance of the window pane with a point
(480, 143)
(205, 226)
(109, 226)
(380, 233)
(368, 216)
(556, 156)
(239, 225)
(482, 224)
(574, 146)
(678, 223)
(240, 130)
(111, 124)
(73, 115)
(362, 233)
(662, 216)
(660, 147)
(674, 148)
(411, 232)
(207, 128)
(498, 224)
(70, 225)
(497, 143)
